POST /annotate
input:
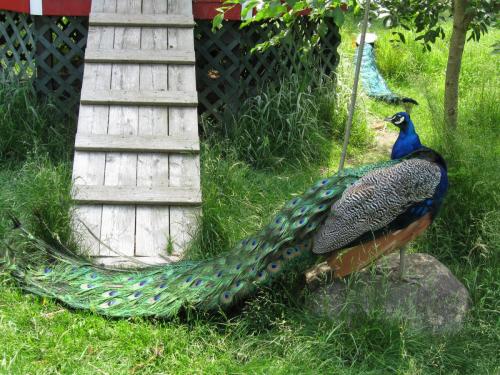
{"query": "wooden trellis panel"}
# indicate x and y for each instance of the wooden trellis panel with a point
(17, 45)
(47, 50)
(136, 169)
(227, 72)
(60, 48)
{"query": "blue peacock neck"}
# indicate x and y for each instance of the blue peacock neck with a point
(407, 142)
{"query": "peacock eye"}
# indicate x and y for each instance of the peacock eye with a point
(399, 120)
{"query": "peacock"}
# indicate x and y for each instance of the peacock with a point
(349, 218)
(371, 79)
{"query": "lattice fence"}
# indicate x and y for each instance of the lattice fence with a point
(49, 51)
(226, 71)
(46, 50)
(17, 45)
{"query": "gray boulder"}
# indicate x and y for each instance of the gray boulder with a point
(433, 298)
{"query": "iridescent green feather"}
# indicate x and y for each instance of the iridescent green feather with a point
(281, 246)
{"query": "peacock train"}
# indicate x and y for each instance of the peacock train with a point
(350, 219)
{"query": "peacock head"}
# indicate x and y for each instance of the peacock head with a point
(401, 120)
(408, 139)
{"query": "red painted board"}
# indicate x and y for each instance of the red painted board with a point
(202, 9)
(207, 10)
(22, 6)
(66, 7)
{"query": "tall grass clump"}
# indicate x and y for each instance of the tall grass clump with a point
(29, 124)
(466, 234)
(470, 218)
(36, 142)
(283, 124)
(38, 193)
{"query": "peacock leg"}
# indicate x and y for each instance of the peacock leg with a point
(402, 262)
(403, 276)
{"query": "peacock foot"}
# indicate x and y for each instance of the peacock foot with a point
(410, 279)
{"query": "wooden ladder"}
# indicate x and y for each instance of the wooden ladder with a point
(136, 172)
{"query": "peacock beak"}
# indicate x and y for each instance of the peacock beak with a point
(388, 119)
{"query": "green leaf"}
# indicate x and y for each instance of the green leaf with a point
(299, 6)
(322, 29)
(248, 7)
(338, 16)
(217, 22)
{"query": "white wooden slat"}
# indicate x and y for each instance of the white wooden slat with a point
(180, 7)
(183, 226)
(114, 56)
(118, 222)
(180, 39)
(36, 8)
(137, 143)
(142, 20)
(184, 169)
(156, 7)
(107, 6)
(129, 195)
(97, 6)
(138, 98)
(122, 262)
(153, 223)
(88, 168)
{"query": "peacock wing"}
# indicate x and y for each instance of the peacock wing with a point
(374, 201)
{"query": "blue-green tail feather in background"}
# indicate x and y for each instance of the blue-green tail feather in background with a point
(373, 83)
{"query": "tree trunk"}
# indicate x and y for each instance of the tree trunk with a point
(456, 50)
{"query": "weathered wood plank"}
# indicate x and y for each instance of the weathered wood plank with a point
(88, 167)
(131, 195)
(139, 98)
(153, 223)
(141, 20)
(137, 143)
(184, 170)
(114, 56)
(122, 262)
(106, 6)
(180, 7)
(118, 221)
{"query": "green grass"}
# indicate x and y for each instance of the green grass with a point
(28, 126)
(292, 124)
(273, 333)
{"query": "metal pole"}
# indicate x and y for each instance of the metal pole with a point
(354, 93)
